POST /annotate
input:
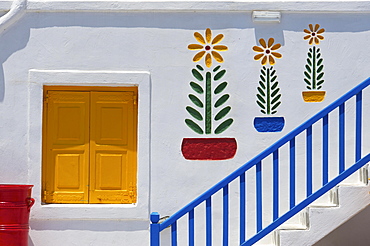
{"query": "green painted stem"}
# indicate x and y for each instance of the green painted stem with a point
(208, 120)
(268, 92)
(314, 68)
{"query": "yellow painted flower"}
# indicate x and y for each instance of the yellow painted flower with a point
(268, 51)
(208, 47)
(314, 34)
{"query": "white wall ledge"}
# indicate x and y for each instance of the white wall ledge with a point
(193, 5)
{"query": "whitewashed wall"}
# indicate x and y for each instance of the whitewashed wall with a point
(52, 38)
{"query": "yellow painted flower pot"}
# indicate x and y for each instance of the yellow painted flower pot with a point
(313, 96)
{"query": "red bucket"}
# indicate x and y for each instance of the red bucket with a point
(15, 205)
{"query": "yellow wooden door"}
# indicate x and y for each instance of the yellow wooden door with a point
(113, 147)
(67, 147)
(90, 140)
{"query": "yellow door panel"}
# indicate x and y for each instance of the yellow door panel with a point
(67, 147)
(111, 171)
(113, 147)
(89, 149)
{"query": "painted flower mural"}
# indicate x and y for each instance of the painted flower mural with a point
(208, 111)
(208, 47)
(314, 74)
(314, 34)
(268, 91)
(267, 52)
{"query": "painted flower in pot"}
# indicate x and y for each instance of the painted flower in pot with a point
(268, 91)
(314, 74)
(208, 110)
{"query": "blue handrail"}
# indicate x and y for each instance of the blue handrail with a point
(156, 227)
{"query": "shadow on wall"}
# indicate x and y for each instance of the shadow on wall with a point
(354, 232)
(12, 39)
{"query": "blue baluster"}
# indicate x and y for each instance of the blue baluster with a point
(209, 222)
(242, 208)
(225, 216)
(325, 149)
(358, 125)
(259, 195)
(275, 213)
(309, 161)
(154, 229)
(292, 173)
(341, 138)
(191, 227)
(174, 234)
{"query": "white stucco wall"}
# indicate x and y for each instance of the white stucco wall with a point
(106, 43)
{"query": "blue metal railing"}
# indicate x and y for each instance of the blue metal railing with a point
(256, 162)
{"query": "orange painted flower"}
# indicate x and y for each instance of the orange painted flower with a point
(267, 51)
(208, 47)
(314, 34)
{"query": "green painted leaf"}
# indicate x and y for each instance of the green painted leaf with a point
(196, 87)
(275, 106)
(320, 68)
(261, 98)
(320, 82)
(196, 100)
(263, 72)
(273, 79)
(197, 75)
(194, 126)
(318, 50)
(273, 94)
(274, 112)
(318, 55)
(307, 75)
(223, 112)
(261, 105)
(308, 69)
(320, 76)
(262, 78)
(223, 126)
(219, 75)
(319, 62)
(262, 93)
(262, 85)
(220, 87)
(308, 87)
(319, 87)
(200, 67)
(309, 62)
(307, 81)
(216, 68)
(276, 99)
(272, 72)
(222, 100)
(193, 112)
(263, 111)
(274, 85)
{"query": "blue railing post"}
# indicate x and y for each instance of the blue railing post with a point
(154, 229)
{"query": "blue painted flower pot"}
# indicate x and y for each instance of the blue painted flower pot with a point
(269, 124)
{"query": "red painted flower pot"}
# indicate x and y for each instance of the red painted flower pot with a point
(208, 148)
(15, 205)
